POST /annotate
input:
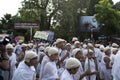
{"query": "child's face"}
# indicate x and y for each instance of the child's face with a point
(107, 60)
(90, 55)
(53, 57)
(77, 45)
(79, 55)
(115, 52)
(74, 70)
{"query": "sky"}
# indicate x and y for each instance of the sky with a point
(11, 6)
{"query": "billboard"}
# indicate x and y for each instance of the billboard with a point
(26, 25)
(87, 23)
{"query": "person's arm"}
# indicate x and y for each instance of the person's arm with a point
(67, 54)
(82, 76)
(88, 72)
(95, 72)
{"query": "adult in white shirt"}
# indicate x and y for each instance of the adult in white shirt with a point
(26, 69)
(50, 71)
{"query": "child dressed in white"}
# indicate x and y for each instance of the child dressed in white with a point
(105, 69)
(44, 61)
(50, 71)
(90, 65)
(79, 55)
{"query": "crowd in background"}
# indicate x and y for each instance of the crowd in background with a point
(61, 61)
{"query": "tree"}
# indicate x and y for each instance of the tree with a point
(117, 6)
(109, 17)
(7, 23)
(39, 11)
(91, 7)
(29, 12)
(61, 16)
(67, 18)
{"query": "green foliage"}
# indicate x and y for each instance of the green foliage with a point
(91, 7)
(30, 12)
(62, 16)
(109, 17)
(67, 18)
(117, 6)
(6, 23)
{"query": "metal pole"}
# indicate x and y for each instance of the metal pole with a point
(30, 33)
(91, 33)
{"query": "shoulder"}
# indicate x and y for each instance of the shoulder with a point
(65, 75)
(49, 65)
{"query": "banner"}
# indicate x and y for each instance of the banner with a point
(41, 35)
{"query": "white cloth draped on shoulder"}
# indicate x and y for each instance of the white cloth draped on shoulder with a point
(44, 61)
(92, 68)
(50, 71)
(66, 76)
(23, 72)
(116, 67)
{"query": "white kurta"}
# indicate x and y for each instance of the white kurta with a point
(92, 68)
(78, 73)
(66, 76)
(39, 54)
(58, 57)
(84, 51)
(112, 58)
(50, 71)
(24, 72)
(116, 67)
(98, 55)
(104, 72)
(61, 55)
(44, 61)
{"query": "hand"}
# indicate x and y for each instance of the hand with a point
(93, 57)
(58, 63)
(88, 72)
(97, 72)
(37, 79)
(67, 54)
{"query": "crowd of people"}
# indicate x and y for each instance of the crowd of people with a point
(60, 61)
